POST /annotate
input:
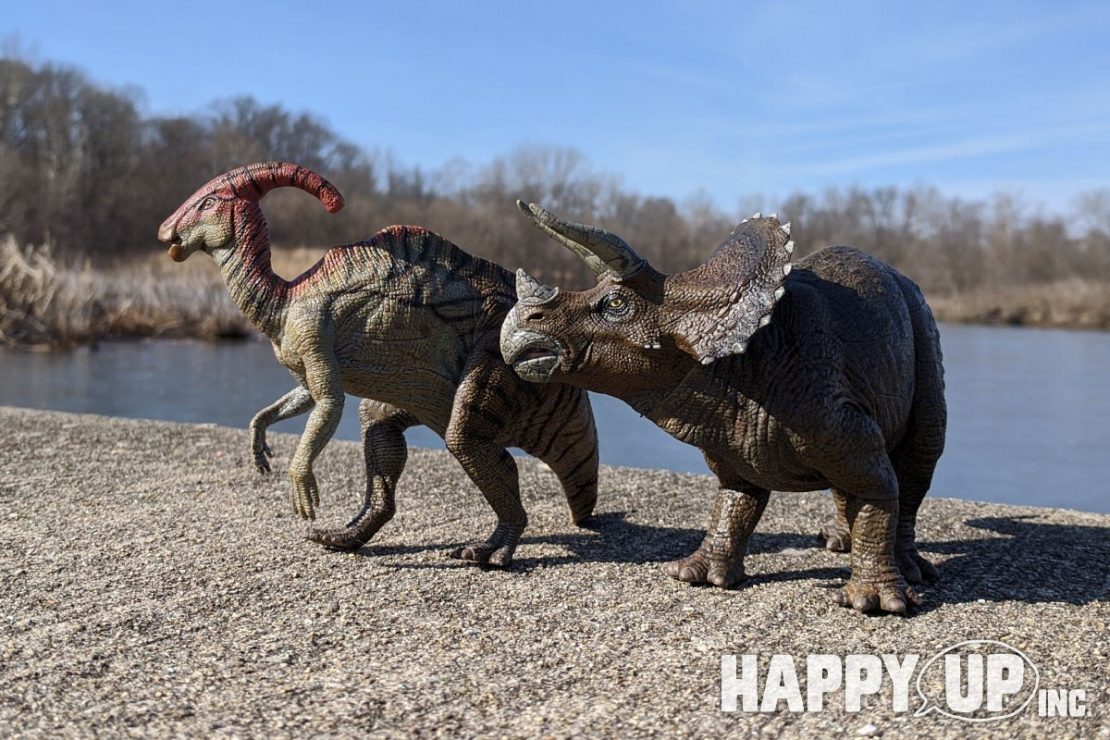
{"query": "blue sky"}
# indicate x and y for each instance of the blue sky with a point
(733, 98)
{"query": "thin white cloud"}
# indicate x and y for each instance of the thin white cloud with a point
(1041, 138)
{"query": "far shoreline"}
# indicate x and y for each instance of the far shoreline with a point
(47, 302)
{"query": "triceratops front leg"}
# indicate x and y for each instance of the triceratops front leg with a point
(479, 417)
(385, 452)
(867, 479)
(719, 559)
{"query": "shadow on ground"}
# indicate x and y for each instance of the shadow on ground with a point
(1032, 562)
(1028, 560)
(612, 538)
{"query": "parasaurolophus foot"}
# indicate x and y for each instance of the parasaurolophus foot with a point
(497, 550)
(356, 534)
(261, 453)
(337, 538)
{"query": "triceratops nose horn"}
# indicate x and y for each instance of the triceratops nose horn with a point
(531, 291)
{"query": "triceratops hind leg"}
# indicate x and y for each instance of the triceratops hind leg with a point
(837, 535)
(914, 461)
(864, 473)
(915, 457)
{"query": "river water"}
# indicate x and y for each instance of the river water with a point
(1029, 409)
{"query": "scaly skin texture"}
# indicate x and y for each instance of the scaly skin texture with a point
(410, 323)
(824, 374)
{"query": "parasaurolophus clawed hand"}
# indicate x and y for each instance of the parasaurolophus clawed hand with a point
(260, 451)
(306, 493)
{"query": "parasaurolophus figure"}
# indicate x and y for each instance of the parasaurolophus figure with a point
(793, 377)
(410, 323)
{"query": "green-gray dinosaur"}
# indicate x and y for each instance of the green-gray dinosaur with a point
(825, 375)
(408, 321)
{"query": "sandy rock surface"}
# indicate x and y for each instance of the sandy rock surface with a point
(152, 583)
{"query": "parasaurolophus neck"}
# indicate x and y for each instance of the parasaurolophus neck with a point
(257, 290)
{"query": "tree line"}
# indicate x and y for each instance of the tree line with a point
(83, 170)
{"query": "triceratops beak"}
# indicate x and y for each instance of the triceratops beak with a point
(531, 292)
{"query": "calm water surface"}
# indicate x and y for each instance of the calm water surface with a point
(1029, 409)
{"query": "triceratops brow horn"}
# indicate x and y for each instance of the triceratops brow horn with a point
(601, 250)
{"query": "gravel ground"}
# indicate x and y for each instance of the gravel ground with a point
(153, 583)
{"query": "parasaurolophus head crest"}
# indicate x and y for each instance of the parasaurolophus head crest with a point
(209, 218)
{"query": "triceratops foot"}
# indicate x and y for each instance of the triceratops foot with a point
(890, 595)
(915, 568)
(497, 550)
(836, 538)
(703, 567)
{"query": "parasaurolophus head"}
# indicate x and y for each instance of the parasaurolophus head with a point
(638, 326)
(214, 214)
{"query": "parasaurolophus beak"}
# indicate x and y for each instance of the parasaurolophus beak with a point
(167, 234)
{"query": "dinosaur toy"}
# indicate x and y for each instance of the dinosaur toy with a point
(827, 375)
(408, 321)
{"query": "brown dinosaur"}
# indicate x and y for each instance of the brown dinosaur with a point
(407, 320)
(827, 375)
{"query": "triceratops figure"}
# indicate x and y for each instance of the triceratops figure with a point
(825, 375)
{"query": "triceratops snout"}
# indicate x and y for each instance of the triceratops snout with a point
(532, 355)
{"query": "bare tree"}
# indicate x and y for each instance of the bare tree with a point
(83, 171)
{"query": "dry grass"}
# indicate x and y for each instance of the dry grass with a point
(49, 301)
(289, 263)
(1071, 304)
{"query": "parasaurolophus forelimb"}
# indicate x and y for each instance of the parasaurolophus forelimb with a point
(407, 321)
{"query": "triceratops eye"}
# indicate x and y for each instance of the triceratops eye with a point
(615, 307)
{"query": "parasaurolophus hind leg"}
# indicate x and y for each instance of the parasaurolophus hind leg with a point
(385, 453)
